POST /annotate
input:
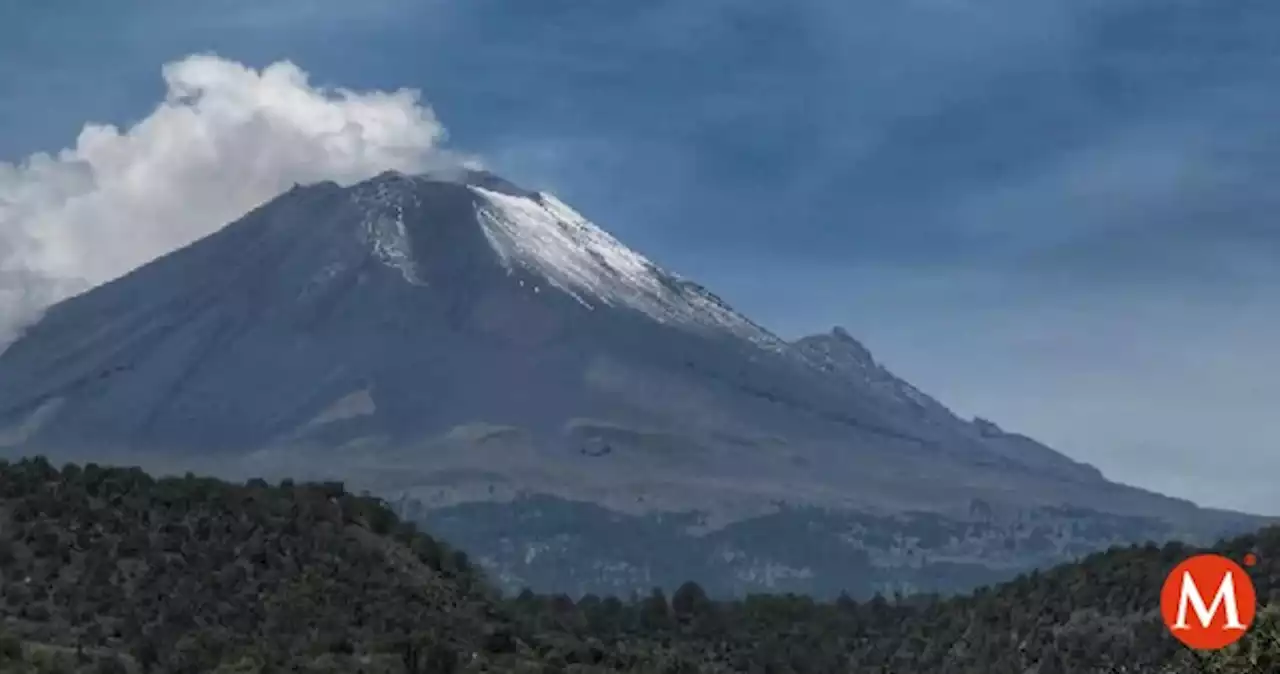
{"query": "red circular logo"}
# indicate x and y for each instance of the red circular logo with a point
(1208, 602)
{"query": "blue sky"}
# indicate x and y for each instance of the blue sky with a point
(1059, 215)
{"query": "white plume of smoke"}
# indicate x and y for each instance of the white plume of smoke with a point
(225, 139)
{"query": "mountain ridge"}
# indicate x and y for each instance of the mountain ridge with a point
(450, 340)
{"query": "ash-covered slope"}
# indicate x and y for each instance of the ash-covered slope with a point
(458, 339)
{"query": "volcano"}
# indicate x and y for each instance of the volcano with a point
(504, 370)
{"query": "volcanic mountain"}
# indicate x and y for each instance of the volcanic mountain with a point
(507, 371)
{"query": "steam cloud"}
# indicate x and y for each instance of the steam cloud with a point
(225, 139)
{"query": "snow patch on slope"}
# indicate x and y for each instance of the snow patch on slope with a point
(544, 235)
(383, 227)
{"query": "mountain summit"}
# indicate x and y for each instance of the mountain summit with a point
(458, 342)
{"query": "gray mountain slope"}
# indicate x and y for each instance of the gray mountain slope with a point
(458, 340)
(841, 354)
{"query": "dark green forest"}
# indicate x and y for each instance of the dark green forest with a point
(110, 570)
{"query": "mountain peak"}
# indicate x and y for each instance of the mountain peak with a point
(463, 326)
(847, 341)
(335, 287)
(463, 176)
(533, 240)
(839, 349)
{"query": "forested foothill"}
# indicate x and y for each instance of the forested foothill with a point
(110, 570)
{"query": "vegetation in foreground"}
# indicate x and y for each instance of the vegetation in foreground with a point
(108, 570)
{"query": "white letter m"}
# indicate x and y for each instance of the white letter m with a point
(1226, 598)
